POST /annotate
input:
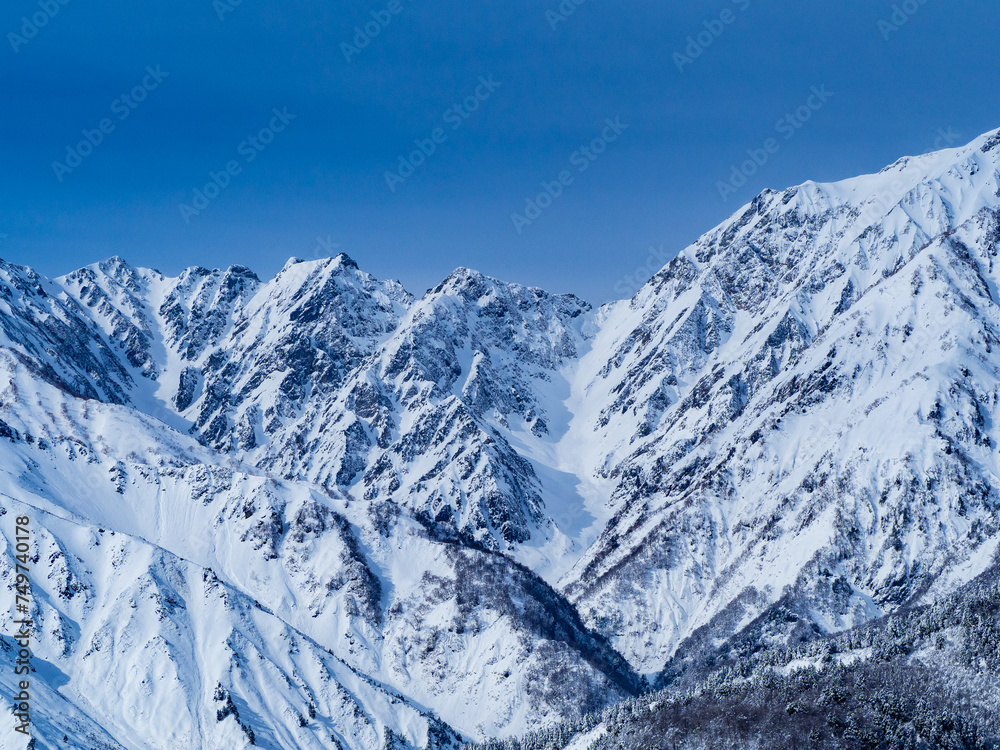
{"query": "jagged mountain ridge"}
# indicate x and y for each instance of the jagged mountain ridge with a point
(380, 586)
(672, 465)
(836, 435)
(321, 622)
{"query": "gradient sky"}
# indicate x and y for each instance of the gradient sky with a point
(323, 176)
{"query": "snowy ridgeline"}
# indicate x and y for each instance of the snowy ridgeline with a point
(318, 512)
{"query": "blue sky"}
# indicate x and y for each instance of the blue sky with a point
(503, 97)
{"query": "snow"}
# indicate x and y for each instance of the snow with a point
(803, 405)
(586, 741)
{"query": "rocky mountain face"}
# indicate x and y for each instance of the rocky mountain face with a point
(805, 401)
(319, 512)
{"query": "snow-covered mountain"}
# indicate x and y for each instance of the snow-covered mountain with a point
(319, 512)
(802, 404)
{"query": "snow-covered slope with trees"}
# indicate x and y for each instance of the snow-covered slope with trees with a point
(316, 511)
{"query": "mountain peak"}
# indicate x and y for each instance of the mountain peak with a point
(241, 272)
(113, 263)
(346, 261)
(990, 141)
(337, 263)
(466, 282)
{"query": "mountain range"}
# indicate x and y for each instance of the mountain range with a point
(317, 511)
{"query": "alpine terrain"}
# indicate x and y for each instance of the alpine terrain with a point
(758, 501)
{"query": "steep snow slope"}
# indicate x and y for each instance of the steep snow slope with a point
(51, 335)
(429, 421)
(803, 401)
(166, 578)
(239, 358)
(327, 375)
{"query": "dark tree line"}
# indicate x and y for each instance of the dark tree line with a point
(921, 679)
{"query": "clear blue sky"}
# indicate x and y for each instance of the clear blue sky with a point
(324, 173)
